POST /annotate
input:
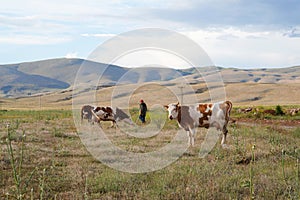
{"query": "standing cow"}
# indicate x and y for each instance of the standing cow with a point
(201, 115)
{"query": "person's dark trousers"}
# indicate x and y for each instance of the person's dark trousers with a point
(142, 118)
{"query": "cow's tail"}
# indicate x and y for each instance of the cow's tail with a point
(228, 110)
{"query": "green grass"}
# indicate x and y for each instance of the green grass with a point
(64, 169)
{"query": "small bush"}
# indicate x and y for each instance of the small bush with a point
(279, 110)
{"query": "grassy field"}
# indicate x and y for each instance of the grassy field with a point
(42, 157)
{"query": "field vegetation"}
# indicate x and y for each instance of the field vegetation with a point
(42, 157)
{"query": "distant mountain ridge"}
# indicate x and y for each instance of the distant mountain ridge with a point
(29, 78)
(48, 75)
(17, 83)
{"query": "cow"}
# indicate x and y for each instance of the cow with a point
(111, 114)
(189, 117)
(270, 112)
(88, 110)
(245, 110)
(294, 111)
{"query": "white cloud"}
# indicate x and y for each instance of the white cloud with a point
(72, 55)
(152, 58)
(32, 30)
(233, 32)
(18, 21)
(294, 32)
(98, 35)
(248, 48)
(32, 40)
(229, 33)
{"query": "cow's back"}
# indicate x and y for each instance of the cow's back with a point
(213, 114)
(188, 117)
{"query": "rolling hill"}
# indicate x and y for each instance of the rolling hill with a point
(54, 75)
(47, 75)
(17, 83)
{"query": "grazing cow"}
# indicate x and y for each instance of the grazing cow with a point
(88, 110)
(294, 111)
(201, 115)
(112, 115)
(270, 112)
(245, 110)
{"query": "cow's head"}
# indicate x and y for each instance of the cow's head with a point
(173, 110)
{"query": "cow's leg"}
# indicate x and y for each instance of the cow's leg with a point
(113, 124)
(91, 120)
(225, 131)
(189, 137)
(219, 128)
(193, 137)
(97, 121)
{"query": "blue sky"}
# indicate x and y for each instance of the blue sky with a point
(234, 33)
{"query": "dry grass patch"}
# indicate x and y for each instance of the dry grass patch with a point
(63, 168)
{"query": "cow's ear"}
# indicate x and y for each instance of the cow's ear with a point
(177, 104)
(166, 106)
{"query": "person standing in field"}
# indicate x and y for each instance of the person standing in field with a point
(143, 111)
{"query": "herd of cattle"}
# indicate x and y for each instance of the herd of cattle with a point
(189, 117)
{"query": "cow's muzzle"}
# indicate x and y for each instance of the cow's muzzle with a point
(171, 117)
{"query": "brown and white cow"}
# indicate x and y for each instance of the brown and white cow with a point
(294, 111)
(111, 114)
(201, 115)
(87, 112)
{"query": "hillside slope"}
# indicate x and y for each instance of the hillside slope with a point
(14, 82)
(41, 76)
(55, 74)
